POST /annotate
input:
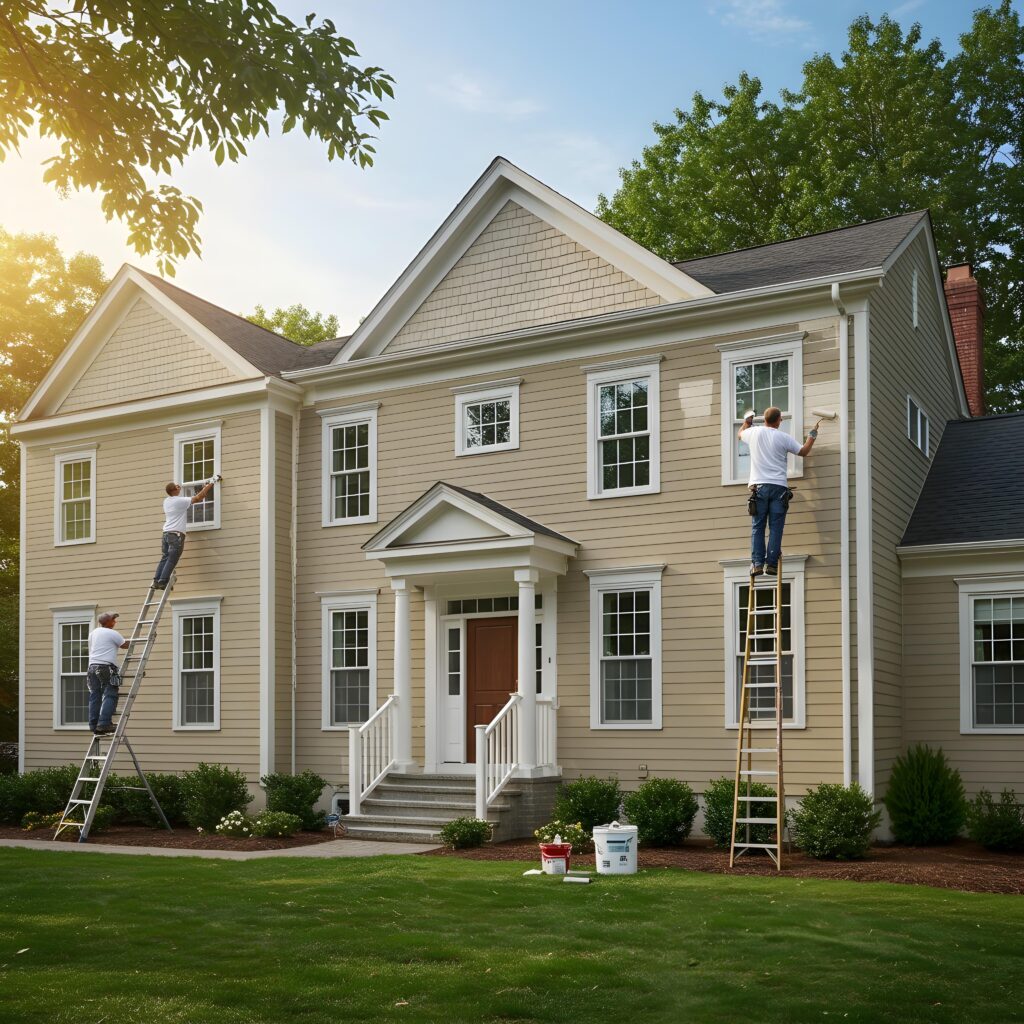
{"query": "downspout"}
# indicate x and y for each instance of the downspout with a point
(844, 533)
(294, 563)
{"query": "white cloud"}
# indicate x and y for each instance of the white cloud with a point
(766, 20)
(905, 8)
(469, 94)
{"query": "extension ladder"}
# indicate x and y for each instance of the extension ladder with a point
(756, 762)
(81, 808)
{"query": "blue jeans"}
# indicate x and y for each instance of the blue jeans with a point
(772, 505)
(103, 682)
(170, 551)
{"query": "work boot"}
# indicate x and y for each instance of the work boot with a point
(756, 570)
(771, 570)
(105, 730)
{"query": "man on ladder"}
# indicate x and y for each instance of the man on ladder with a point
(176, 506)
(103, 678)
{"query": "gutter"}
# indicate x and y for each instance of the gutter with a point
(961, 547)
(294, 564)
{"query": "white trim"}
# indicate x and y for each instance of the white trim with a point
(620, 372)
(267, 613)
(354, 600)
(609, 581)
(780, 346)
(82, 454)
(182, 608)
(81, 446)
(22, 592)
(351, 416)
(494, 392)
(204, 427)
(969, 589)
(186, 435)
(736, 574)
(348, 410)
(913, 299)
(505, 382)
(627, 363)
(67, 616)
(922, 417)
(639, 572)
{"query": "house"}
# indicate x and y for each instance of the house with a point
(498, 536)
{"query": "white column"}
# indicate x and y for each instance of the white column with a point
(527, 580)
(403, 675)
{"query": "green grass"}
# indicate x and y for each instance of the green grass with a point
(148, 939)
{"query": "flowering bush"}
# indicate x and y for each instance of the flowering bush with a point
(211, 791)
(296, 794)
(235, 824)
(581, 840)
(465, 832)
(36, 819)
(276, 824)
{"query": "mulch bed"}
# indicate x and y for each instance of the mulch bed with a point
(961, 865)
(182, 838)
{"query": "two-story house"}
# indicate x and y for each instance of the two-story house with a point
(499, 534)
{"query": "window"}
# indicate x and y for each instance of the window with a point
(487, 418)
(349, 659)
(350, 466)
(917, 425)
(197, 664)
(71, 630)
(737, 593)
(75, 502)
(623, 407)
(625, 648)
(756, 375)
(454, 661)
(196, 461)
(991, 656)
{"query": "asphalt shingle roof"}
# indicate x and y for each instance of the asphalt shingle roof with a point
(970, 493)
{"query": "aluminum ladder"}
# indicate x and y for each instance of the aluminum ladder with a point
(81, 808)
(756, 762)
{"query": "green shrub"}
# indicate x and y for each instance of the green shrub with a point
(590, 801)
(235, 824)
(834, 822)
(662, 810)
(276, 824)
(14, 804)
(997, 826)
(46, 790)
(8, 758)
(211, 792)
(718, 798)
(134, 807)
(103, 818)
(925, 799)
(463, 833)
(581, 840)
(297, 794)
(35, 820)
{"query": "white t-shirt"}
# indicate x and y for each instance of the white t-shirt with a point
(176, 513)
(769, 447)
(103, 646)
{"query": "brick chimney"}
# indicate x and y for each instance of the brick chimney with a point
(967, 315)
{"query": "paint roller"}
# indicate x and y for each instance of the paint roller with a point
(823, 414)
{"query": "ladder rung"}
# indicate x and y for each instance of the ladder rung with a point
(755, 821)
(145, 622)
(142, 789)
(762, 659)
(755, 771)
(759, 686)
(83, 778)
(757, 846)
(79, 802)
(765, 799)
(759, 750)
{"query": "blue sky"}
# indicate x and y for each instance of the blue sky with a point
(564, 88)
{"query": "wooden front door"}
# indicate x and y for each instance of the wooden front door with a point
(492, 650)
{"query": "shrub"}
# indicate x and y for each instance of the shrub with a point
(834, 822)
(46, 790)
(589, 801)
(925, 799)
(14, 804)
(103, 818)
(8, 758)
(581, 840)
(133, 807)
(298, 795)
(35, 820)
(236, 824)
(462, 833)
(662, 810)
(718, 798)
(211, 792)
(272, 824)
(997, 826)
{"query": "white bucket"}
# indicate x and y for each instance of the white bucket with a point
(615, 849)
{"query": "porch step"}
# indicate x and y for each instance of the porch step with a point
(427, 794)
(394, 820)
(397, 833)
(389, 805)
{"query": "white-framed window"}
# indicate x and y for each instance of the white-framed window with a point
(917, 425)
(625, 648)
(196, 660)
(350, 465)
(71, 628)
(913, 297)
(737, 590)
(487, 417)
(196, 461)
(623, 435)
(991, 655)
(349, 656)
(74, 517)
(756, 375)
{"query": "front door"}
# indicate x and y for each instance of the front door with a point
(492, 650)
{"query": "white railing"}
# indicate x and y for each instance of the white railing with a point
(371, 752)
(547, 732)
(497, 754)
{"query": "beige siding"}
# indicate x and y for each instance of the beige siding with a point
(520, 272)
(145, 356)
(283, 590)
(113, 573)
(931, 674)
(692, 524)
(903, 359)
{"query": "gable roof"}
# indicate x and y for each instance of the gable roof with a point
(969, 495)
(503, 510)
(839, 251)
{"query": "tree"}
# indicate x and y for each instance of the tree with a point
(130, 88)
(297, 323)
(892, 126)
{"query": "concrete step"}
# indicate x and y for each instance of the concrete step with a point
(394, 820)
(458, 808)
(398, 833)
(425, 793)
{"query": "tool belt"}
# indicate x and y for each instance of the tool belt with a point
(752, 499)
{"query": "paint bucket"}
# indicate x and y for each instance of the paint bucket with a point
(554, 858)
(615, 849)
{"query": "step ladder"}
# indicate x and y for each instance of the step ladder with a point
(88, 788)
(756, 759)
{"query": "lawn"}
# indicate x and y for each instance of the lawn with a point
(148, 939)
